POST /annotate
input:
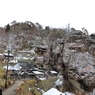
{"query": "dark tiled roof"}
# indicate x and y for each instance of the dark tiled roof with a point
(26, 65)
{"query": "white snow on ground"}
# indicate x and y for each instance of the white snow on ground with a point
(58, 82)
(40, 90)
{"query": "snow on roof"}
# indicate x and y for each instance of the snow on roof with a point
(35, 69)
(22, 73)
(54, 72)
(53, 91)
(13, 61)
(9, 67)
(42, 79)
(25, 65)
(37, 72)
(6, 54)
(1, 54)
(15, 67)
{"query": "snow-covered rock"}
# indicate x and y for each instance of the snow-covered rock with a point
(59, 81)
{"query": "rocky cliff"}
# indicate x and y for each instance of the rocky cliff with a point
(71, 53)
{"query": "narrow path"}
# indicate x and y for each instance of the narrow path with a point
(11, 90)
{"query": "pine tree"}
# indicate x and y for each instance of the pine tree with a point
(7, 28)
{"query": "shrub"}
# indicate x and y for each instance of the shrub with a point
(32, 82)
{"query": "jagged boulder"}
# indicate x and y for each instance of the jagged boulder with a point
(78, 32)
(91, 41)
(92, 36)
(72, 38)
(2, 48)
(78, 60)
(59, 83)
(92, 49)
(80, 66)
(76, 35)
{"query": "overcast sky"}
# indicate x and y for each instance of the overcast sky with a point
(55, 13)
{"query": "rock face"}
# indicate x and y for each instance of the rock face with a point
(92, 49)
(69, 53)
(92, 36)
(2, 48)
(78, 35)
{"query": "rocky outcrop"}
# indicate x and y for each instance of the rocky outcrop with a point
(77, 35)
(92, 49)
(71, 54)
(92, 36)
(2, 48)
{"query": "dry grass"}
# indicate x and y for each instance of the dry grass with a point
(2, 73)
(31, 82)
(23, 89)
(47, 84)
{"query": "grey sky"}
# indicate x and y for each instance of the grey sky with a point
(55, 13)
